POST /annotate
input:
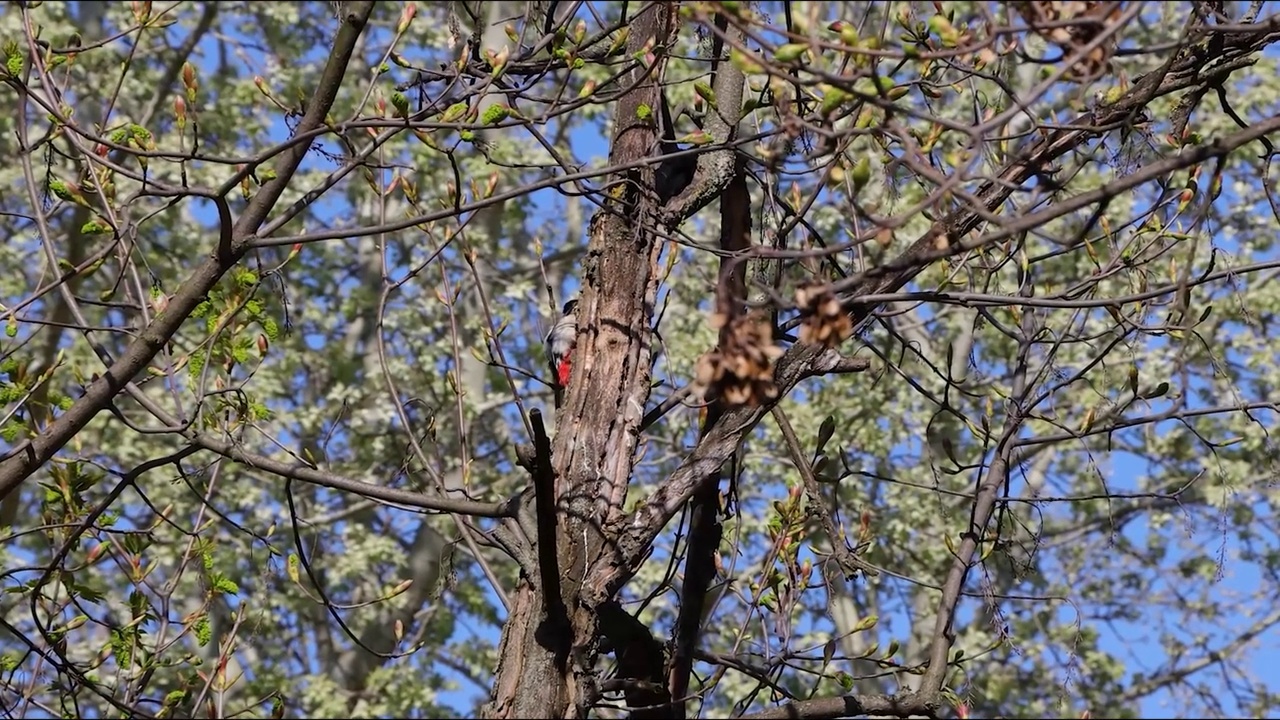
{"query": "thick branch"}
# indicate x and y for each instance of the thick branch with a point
(316, 476)
(544, 495)
(715, 169)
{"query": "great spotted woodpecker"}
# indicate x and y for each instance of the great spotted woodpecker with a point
(560, 343)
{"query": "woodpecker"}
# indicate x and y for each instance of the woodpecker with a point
(560, 343)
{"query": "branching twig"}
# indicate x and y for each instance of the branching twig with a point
(231, 247)
(844, 556)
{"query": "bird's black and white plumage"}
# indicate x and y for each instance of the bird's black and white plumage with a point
(560, 344)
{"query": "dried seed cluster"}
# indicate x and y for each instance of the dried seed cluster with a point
(740, 372)
(822, 320)
(1073, 25)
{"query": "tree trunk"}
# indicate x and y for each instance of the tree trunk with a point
(547, 659)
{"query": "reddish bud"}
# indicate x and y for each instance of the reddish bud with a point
(406, 17)
(189, 81)
(263, 345)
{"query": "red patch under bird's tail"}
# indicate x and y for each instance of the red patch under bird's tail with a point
(562, 372)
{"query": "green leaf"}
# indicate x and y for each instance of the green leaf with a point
(825, 431)
(845, 680)
(790, 52)
(195, 366)
(11, 429)
(137, 604)
(832, 98)
(400, 103)
(203, 630)
(258, 411)
(224, 585)
(644, 112)
(705, 92)
(136, 543)
(245, 277)
(1160, 391)
(495, 114)
(95, 227)
(455, 112)
(89, 593)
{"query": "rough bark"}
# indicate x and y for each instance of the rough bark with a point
(599, 425)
